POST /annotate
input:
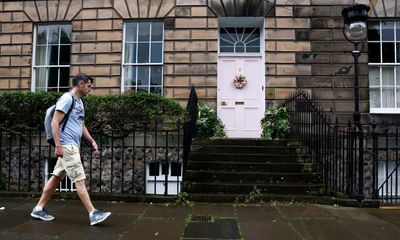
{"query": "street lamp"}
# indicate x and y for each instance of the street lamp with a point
(355, 31)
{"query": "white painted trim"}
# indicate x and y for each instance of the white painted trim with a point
(385, 110)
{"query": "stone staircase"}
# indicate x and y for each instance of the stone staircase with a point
(229, 170)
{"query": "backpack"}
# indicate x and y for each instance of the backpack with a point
(49, 117)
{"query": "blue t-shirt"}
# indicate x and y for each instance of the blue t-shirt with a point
(72, 133)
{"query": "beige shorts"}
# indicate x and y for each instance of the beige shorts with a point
(70, 164)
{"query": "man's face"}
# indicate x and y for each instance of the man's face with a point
(85, 88)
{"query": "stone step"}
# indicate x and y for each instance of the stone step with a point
(248, 157)
(247, 177)
(246, 142)
(246, 149)
(251, 166)
(246, 198)
(247, 188)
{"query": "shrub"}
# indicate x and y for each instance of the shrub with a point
(120, 112)
(275, 124)
(208, 125)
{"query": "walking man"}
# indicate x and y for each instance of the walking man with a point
(67, 143)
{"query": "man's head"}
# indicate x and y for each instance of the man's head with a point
(83, 83)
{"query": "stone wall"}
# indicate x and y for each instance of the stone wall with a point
(115, 169)
(304, 46)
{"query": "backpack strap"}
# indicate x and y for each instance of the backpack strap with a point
(67, 115)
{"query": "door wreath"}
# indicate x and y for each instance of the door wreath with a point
(240, 81)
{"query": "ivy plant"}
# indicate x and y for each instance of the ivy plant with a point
(275, 123)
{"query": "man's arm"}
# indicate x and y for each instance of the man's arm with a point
(55, 129)
(89, 138)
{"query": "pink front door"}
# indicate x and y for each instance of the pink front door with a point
(241, 109)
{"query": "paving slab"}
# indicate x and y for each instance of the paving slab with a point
(157, 229)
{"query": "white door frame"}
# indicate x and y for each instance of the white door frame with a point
(254, 105)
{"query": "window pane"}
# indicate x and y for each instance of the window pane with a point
(388, 97)
(156, 90)
(65, 34)
(156, 53)
(40, 77)
(144, 31)
(164, 168)
(374, 97)
(130, 53)
(53, 78)
(374, 78)
(154, 169)
(143, 52)
(250, 35)
(130, 76)
(64, 77)
(143, 89)
(398, 77)
(156, 75)
(176, 169)
(398, 31)
(156, 31)
(53, 55)
(41, 37)
(65, 51)
(373, 31)
(225, 43)
(253, 49)
(398, 97)
(143, 75)
(40, 56)
(387, 76)
(388, 31)
(53, 34)
(388, 52)
(131, 32)
(226, 49)
(374, 52)
(239, 48)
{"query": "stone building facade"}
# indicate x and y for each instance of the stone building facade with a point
(302, 44)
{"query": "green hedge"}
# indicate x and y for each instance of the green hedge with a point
(121, 112)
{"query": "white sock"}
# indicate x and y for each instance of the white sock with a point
(38, 208)
(91, 213)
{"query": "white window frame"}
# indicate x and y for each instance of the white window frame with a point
(124, 64)
(381, 65)
(34, 66)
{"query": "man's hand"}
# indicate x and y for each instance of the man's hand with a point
(59, 151)
(94, 146)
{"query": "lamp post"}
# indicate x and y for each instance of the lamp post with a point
(355, 31)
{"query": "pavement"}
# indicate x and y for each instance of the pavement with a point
(197, 221)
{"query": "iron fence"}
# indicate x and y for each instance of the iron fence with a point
(143, 161)
(357, 162)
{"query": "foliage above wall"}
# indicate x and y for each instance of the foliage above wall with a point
(122, 112)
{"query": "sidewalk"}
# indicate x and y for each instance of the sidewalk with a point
(201, 221)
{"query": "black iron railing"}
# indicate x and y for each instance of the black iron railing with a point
(190, 126)
(354, 161)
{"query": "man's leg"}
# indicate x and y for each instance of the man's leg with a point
(39, 211)
(84, 195)
(48, 191)
(95, 216)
